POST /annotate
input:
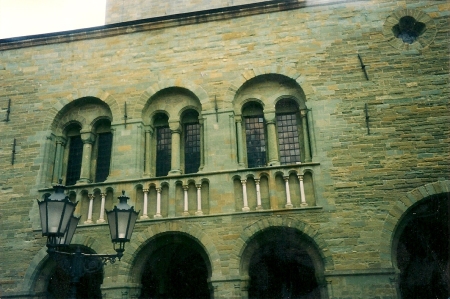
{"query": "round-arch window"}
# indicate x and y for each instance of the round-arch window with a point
(408, 29)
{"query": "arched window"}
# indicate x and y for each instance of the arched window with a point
(75, 155)
(288, 129)
(255, 135)
(191, 130)
(163, 144)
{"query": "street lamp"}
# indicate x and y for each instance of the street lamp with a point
(59, 224)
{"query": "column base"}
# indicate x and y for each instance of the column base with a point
(259, 208)
(144, 217)
(199, 213)
(174, 172)
(245, 209)
(157, 216)
(186, 214)
(101, 221)
(83, 181)
(88, 222)
(304, 204)
(289, 206)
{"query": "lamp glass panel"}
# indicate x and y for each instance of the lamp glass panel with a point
(111, 215)
(43, 214)
(68, 235)
(123, 217)
(133, 218)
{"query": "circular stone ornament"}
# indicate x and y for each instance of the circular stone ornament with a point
(409, 29)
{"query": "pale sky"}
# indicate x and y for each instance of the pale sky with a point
(28, 17)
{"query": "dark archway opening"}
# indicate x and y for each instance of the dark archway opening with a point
(59, 283)
(176, 269)
(423, 250)
(281, 266)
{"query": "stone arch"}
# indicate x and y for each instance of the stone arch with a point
(285, 71)
(250, 231)
(141, 240)
(57, 109)
(139, 106)
(398, 212)
(37, 266)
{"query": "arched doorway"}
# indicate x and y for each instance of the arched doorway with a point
(282, 262)
(422, 250)
(176, 266)
(59, 286)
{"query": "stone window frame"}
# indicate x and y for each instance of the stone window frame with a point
(423, 41)
(272, 145)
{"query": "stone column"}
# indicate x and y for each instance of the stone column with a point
(306, 135)
(91, 204)
(175, 129)
(288, 193)
(144, 212)
(244, 196)
(202, 144)
(101, 219)
(148, 151)
(199, 200)
(88, 139)
(258, 195)
(272, 141)
(158, 203)
(302, 192)
(185, 200)
(57, 170)
(240, 140)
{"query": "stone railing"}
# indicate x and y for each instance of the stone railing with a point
(199, 194)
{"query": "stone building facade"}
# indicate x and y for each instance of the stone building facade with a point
(274, 149)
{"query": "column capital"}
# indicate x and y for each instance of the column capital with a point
(238, 118)
(270, 117)
(185, 187)
(300, 177)
(88, 137)
(286, 178)
(257, 181)
(145, 190)
(175, 126)
(61, 140)
(103, 194)
(198, 186)
(91, 196)
(244, 181)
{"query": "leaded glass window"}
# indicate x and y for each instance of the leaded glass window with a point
(288, 139)
(163, 150)
(256, 141)
(74, 161)
(192, 148)
(103, 156)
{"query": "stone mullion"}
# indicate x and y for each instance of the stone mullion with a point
(202, 144)
(272, 139)
(57, 170)
(88, 139)
(240, 140)
(176, 148)
(306, 136)
(148, 151)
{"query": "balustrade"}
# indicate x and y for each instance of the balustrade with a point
(259, 190)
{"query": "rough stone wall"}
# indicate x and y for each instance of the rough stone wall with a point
(362, 176)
